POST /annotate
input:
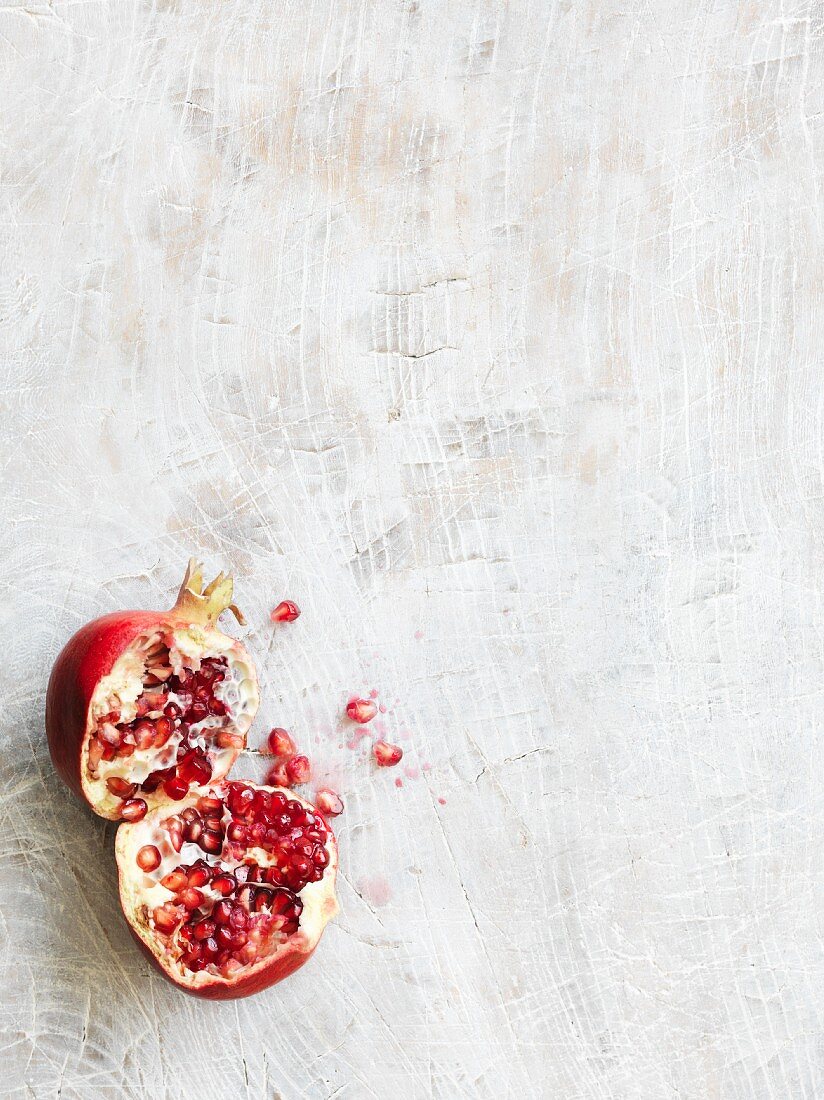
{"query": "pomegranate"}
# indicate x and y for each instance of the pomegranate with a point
(229, 889)
(143, 706)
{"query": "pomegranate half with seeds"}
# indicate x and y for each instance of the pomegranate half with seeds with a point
(144, 706)
(228, 891)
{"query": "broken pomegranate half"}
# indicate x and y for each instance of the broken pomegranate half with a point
(144, 706)
(228, 891)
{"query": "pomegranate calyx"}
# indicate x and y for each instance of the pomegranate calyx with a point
(197, 604)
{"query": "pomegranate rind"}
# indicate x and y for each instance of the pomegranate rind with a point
(98, 655)
(319, 907)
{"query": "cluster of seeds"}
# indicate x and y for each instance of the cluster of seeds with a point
(225, 918)
(224, 913)
(170, 705)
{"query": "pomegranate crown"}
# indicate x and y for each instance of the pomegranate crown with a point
(204, 605)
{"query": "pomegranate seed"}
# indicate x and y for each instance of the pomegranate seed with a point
(166, 917)
(163, 731)
(175, 880)
(228, 740)
(387, 755)
(328, 802)
(280, 743)
(172, 710)
(148, 858)
(95, 754)
(134, 809)
(198, 876)
(223, 937)
(209, 804)
(285, 612)
(176, 788)
(224, 884)
(239, 918)
(194, 768)
(109, 733)
(144, 735)
(298, 769)
(278, 776)
(263, 900)
(193, 831)
(191, 898)
(222, 912)
(120, 787)
(236, 832)
(204, 929)
(361, 710)
(211, 842)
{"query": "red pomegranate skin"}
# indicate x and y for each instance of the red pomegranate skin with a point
(283, 964)
(86, 658)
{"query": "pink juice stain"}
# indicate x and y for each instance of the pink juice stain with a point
(376, 891)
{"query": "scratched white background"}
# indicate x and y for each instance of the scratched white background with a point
(490, 334)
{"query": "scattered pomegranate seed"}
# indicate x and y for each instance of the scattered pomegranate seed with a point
(280, 743)
(134, 809)
(298, 769)
(285, 612)
(278, 776)
(148, 858)
(328, 802)
(387, 755)
(361, 710)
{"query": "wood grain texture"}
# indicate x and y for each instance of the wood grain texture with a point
(486, 332)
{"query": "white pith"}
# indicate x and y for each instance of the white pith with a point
(141, 891)
(188, 645)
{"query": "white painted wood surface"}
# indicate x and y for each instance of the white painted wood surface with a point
(486, 332)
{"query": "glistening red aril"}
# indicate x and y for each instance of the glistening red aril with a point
(134, 809)
(285, 612)
(278, 776)
(328, 802)
(387, 755)
(148, 858)
(280, 743)
(361, 710)
(298, 769)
